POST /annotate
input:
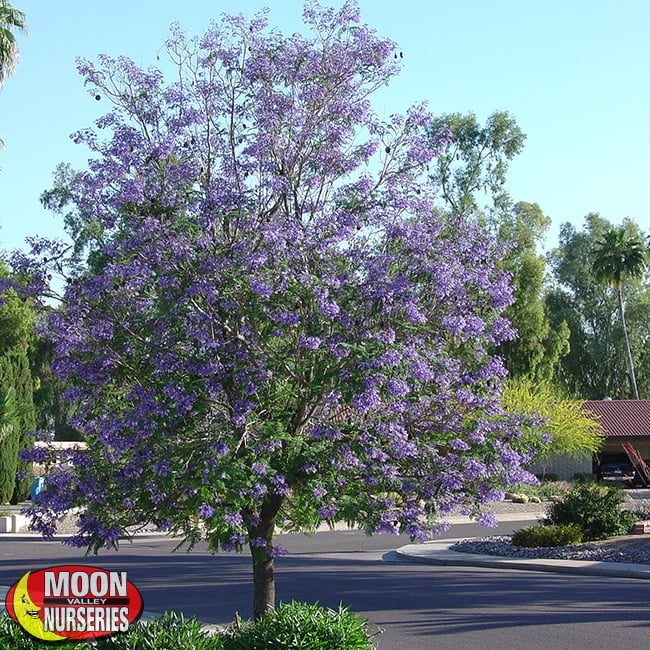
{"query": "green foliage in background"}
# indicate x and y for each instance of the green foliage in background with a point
(595, 509)
(573, 431)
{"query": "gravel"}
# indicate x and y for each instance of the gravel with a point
(621, 551)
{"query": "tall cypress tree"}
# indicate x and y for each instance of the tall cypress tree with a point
(16, 393)
(26, 419)
(9, 430)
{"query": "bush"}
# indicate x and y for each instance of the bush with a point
(534, 536)
(300, 625)
(584, 477)
(169, 631)
(595, 509)
(13, 637)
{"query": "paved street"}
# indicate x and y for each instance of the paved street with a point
(418, 606)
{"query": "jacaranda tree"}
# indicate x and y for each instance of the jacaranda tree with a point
(267, 325)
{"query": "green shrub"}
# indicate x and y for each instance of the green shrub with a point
(534, 536)
(13, 637)
(300, 625)
(597, 510)
(169, 631)
(584, 477)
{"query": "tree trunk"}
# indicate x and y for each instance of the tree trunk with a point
(263, 587)
(263, 563)
(628, 351)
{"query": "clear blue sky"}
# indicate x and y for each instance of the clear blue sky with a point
(574, 73)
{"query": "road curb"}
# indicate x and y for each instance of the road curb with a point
(439, 553)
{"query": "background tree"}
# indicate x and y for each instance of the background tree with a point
(53, 413)
(9, 438)
(472, 175)
(596, 365)
(11, 20)
(269, 325)
(536, 351)
(471, 171)
(617, 256)
(16, 392)
(571, 430)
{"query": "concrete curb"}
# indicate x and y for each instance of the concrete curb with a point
(439, 553)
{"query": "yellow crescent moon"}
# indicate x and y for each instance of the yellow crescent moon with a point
(27, 613)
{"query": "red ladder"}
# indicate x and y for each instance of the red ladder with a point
(637, 461)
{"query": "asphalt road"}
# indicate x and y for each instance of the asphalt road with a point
(418, 607)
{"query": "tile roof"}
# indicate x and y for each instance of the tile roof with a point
(622, 418)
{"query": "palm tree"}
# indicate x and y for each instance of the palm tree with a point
(619, 255)
(10, 20)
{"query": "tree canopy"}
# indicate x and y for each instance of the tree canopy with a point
(471, 170)
(268, 323)
(596, 366)
(11, 20)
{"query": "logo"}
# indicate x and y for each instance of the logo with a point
(73, 602)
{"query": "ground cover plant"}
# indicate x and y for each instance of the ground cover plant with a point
(264, 322)
(544, 535)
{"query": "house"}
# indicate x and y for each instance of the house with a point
(626, 425)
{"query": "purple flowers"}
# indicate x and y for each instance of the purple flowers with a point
(327, 512)
(205, 511)
(398, 387)
(310, 342)
(258, 468)
(420, 370)
(268, 321)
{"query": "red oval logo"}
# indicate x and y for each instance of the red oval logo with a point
(74, 601)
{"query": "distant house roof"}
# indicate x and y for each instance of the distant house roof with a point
(622, 418)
